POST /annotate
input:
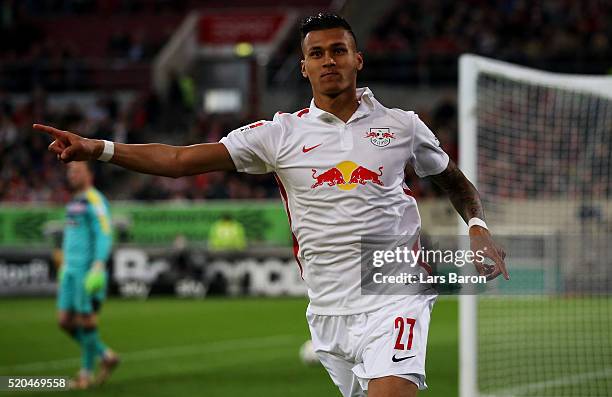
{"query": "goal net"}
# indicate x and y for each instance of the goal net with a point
(538, 146)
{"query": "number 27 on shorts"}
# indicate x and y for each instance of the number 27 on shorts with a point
(402, 323)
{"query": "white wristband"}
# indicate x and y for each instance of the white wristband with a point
(477, 222)
(108, 152)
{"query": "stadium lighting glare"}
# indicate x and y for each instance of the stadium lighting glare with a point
(243, 49)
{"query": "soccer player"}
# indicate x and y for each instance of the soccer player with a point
(340, 167)
(82, 278)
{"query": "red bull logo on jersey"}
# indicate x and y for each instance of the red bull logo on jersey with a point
(346, 175)
(380, 136)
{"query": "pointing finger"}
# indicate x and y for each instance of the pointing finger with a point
(500, 266)
(58, 134)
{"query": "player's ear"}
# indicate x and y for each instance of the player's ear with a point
(359, 60)
(303, 68)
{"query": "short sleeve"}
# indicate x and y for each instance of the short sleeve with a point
(427, 157)
(254, 147)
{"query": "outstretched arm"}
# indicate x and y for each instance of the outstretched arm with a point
(153, 158)
(466, 200)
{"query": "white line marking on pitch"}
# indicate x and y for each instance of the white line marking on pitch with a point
(176, 351)
(561, 381)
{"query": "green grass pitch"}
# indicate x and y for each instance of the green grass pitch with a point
(212, 347)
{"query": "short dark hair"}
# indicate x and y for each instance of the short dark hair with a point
(323, 21)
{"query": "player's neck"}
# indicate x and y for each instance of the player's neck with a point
(342, 106)
(82, 190)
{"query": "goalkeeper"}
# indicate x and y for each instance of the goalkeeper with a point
(82, 278)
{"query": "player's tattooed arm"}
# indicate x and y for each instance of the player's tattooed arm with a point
(466, 200)
(462, 194)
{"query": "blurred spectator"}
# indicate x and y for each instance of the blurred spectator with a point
(424, 39)
(514, 168)
(29, 173)
(415, 42)
(8, 131)
(227, 234)
(33, 52)
(119, 44)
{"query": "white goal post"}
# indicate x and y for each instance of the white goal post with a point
(538, 147)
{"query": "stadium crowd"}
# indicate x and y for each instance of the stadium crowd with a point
(413, 40)
(100, 44)
(28, 173)
(546, 151)
(421, 40)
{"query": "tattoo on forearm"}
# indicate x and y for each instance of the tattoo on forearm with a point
(461, 192)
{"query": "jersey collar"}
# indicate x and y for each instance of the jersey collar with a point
(83, 194)
(366, 105)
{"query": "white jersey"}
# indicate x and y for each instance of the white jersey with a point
(340, 181)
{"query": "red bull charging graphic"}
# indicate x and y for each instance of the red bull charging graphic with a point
(347, 175)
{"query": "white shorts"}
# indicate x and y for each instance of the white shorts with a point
(391, 341)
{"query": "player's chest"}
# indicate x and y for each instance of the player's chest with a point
(346, 156)
(76, 213)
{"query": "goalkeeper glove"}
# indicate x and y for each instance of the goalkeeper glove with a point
(96, 278)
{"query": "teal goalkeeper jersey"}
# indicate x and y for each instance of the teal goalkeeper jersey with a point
(87, 235)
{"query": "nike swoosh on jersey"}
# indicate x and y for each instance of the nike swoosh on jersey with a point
(397, 360)
(306, 150)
